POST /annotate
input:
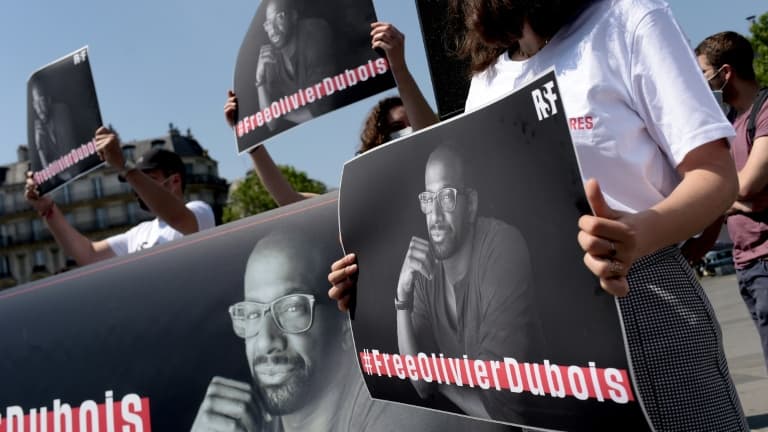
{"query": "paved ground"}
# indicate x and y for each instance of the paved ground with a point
(742, 347)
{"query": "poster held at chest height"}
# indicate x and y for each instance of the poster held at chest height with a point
(472, 296)
(301, 59)
(62, 118)
(226, 329)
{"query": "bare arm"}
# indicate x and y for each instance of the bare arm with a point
(71, 241)
(418, 259)
(269, 173)
(161, 202)
(753, 178)
(696, 247)
(388, 38)
(272, 178)
(613, 240)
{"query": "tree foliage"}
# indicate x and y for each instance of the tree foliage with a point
(249, 196)
(759, 41)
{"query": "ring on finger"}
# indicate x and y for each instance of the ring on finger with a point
(615, 268)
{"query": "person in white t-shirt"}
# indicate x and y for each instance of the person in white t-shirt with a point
(654, 154)
(158, 181)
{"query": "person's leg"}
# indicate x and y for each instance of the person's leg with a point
(675, 345)
(753, 287)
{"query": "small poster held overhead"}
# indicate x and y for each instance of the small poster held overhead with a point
(301, 59)
(62, 117)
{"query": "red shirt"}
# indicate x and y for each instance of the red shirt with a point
(749, 232)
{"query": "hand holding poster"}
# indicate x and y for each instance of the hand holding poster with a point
(63, 115)
(492, 312)
(301, 59)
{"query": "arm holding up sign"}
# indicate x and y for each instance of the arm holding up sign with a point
(387, 37)
(74, 244)
(269, 173)
(160, 191)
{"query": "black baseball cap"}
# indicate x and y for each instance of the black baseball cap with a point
(160, 159)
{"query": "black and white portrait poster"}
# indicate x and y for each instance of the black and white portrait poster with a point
(301, 59)
(472, 296)
(227, 329)
(450, 75)
(62, 118)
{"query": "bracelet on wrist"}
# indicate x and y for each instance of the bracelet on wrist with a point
(405, 305)
(127, 167)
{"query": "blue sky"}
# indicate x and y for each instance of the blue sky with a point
(156, 62)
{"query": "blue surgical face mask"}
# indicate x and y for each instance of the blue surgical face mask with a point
(400, 133)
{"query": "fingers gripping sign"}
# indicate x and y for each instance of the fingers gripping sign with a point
(229, 405)
(340, 277)
(418, 259)
(609, 241)
(230, 108)
(388, 38)
(108, 148)
(40, 203)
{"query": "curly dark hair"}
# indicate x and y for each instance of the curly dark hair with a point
(491, 27)
(729, 48)
(376, 130)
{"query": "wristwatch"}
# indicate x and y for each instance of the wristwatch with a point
(127, 167)
(405, 305)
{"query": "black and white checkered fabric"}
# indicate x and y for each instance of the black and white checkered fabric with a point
(675, 346)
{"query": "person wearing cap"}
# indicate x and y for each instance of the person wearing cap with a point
(157, 179)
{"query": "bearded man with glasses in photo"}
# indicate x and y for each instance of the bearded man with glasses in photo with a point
(299, 54)
(304, 370)
(467, 289)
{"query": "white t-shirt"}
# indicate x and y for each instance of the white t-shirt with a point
(634, 95)
(154, 232)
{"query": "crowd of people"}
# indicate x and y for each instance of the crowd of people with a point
(662, 167)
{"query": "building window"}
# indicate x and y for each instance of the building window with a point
(22, 261)
(158, 144)
(66, 194)
(2, 203)
(129, 153)
(98, 188)
(132, 209)
(101, 218)
(5, 267)
(18, 199)
(37, 229)
(39, 257)
(55, 259)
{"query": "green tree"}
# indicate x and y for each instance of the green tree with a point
(249, 196)
(759, 41)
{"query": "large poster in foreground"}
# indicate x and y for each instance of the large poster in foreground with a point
(301, 59)
(227, 329)
(472, 294)
(62, 118)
